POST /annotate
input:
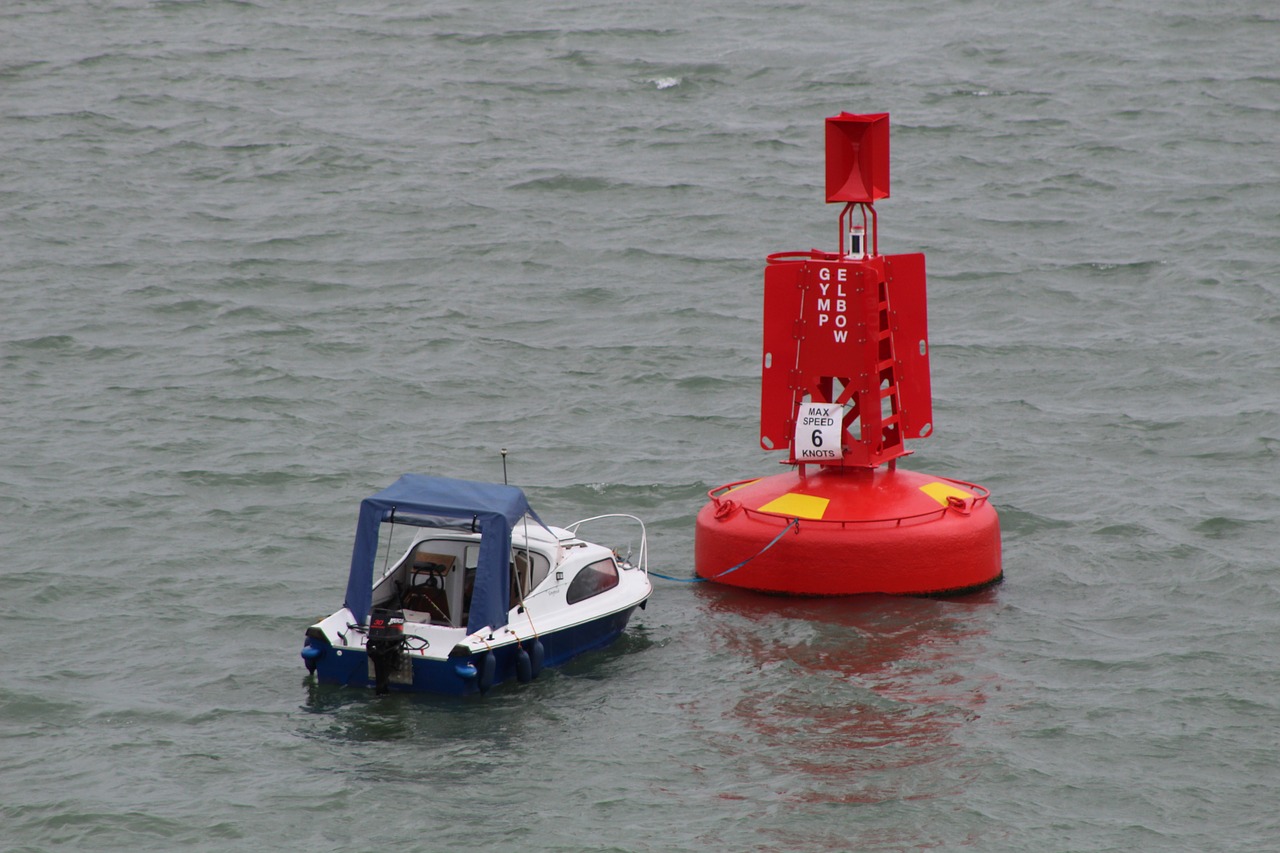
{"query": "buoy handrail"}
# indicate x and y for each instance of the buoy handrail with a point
(797, 256)
(981, 497)
(643, 561)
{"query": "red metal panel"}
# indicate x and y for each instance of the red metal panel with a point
(835, 314)
(781, 314)
(839, 316)
(825, 339)
(910, 326)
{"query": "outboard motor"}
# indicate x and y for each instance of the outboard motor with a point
(385, 645)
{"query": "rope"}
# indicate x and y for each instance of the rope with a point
(436, 607)
(793, 523)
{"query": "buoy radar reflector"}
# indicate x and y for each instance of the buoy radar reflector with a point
(844, 385)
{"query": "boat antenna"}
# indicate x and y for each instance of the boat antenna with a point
(504, 466)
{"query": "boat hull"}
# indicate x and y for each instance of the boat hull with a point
(465, 674)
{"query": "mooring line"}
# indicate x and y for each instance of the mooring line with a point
(776, 539)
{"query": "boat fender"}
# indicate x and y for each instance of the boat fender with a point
(466, 670)
(524, 667)
(536, 657)
(311, 655)
(487, 667)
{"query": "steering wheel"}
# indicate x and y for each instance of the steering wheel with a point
(432, 575)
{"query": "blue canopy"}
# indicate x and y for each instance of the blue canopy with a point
(491, 509)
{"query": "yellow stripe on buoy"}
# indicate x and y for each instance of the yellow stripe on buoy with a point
(941, 491)
(799, 506)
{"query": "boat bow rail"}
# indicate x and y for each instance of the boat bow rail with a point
(642, 557)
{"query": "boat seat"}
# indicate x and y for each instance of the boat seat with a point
(426, 592)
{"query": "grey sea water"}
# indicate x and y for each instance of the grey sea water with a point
(258, 258)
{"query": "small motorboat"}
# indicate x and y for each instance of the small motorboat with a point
(486, 592)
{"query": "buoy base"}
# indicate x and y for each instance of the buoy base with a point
(852, 531)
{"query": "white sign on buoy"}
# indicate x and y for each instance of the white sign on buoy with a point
(818, 430)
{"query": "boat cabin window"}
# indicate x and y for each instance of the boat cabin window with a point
(529, 568)
(593, 580)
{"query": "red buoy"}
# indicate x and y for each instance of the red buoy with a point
(846, 532)
(844, 384)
